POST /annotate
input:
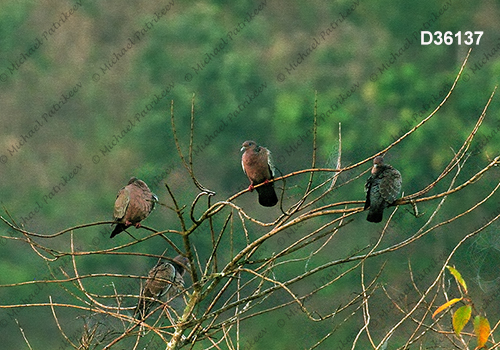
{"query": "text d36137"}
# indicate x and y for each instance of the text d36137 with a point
(448, 38)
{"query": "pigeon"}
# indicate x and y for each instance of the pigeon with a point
(133, 204)
(257, 165)
(382, 189)
(165, 279)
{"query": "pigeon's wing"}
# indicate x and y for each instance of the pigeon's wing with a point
(368, 186)
(243, 166)
(179, 281)
(154, 199)
(146, 199)
(390, 185)
(270, 163)
(178, 286)
(121, 203)
(160, 280)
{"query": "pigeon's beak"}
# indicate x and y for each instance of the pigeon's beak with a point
(242, 149)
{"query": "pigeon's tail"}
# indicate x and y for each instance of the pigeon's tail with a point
(267, 195)
(375, 214)
(118, 228)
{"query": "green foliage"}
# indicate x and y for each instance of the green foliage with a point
(458, 277)
(482, 330)
(463, 314)
(461, 317)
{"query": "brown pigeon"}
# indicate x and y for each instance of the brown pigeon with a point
(166, 278)
(257, 165)
(382, 189)
(133, 204)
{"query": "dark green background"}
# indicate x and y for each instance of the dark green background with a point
(382, 105)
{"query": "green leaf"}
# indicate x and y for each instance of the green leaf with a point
(461, 317)
(446, 305)
(458, 277)
(482, 330)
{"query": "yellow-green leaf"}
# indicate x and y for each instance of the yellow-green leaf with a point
(458, 277)
(461, 317)
(446, 305)
(482, 330)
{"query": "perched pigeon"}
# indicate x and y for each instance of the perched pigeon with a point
(165, 279)
(133, 204)
(382, 189)
(257, 165)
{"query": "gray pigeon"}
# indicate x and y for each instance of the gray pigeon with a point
(133, 204)
(382, 189)
(165, 279)
(258, 166)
